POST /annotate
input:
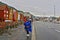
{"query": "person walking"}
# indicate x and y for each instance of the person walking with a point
(28, 27)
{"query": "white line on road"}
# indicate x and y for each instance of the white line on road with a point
(57, 30)
(33, 34)
(53, 28)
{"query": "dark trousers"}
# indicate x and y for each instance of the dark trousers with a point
(26, 30)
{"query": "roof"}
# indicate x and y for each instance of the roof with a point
(2, 7)
(1, 3)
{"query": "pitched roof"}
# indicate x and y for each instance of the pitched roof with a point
(2, 7)
(1, 3)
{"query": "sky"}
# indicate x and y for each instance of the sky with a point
(36, 7)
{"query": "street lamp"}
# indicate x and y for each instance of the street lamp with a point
(54, 10)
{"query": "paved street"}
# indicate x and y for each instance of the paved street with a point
(16, 34)
(47, 31)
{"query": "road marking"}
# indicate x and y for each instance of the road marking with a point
(57, 30)
(33, 34)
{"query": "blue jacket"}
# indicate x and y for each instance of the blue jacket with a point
(28, 23)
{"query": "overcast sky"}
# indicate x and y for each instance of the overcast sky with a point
(37, 7)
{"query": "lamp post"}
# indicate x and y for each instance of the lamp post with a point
(54, 10)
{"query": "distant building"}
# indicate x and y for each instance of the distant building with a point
(27, 14)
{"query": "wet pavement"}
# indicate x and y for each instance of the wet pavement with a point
(16, 34)
(47, 31)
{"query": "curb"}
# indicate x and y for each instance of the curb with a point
(33, 33)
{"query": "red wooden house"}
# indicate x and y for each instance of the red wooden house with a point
(15, 15)
(21, 16)
(4, 12)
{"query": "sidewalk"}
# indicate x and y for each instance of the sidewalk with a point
(16, 34)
